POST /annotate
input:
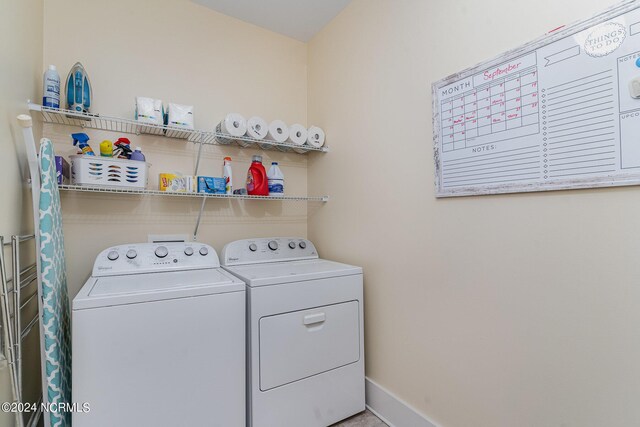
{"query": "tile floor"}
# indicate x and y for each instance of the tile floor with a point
(364, 419)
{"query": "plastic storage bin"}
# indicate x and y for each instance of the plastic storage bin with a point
(108, 172)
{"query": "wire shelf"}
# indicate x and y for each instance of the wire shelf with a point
(118, 124)
(94, 189)
(115, 124)
(217, 138)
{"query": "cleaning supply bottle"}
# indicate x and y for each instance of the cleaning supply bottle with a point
(257, 184)
(227, 175)
(106, 148)
(51, 88)
(137, 155)
(82, 141)
(275, 178)
(122, 148)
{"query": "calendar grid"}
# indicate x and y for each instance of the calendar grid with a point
(504, 104)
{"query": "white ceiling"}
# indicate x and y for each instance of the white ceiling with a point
(299, 19)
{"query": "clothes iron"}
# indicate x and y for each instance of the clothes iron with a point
(78, 89)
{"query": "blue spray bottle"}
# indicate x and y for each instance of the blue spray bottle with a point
(82, 141)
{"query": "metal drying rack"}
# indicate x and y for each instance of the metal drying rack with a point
(13, 307)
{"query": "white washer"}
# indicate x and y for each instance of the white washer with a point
(158, 339)
(305, 361)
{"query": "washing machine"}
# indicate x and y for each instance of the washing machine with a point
(158, 339)
(305, 353)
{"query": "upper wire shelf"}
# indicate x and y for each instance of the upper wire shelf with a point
(118, 124)
(144, 192)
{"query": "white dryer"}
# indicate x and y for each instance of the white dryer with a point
(158, 339)
(305, 360)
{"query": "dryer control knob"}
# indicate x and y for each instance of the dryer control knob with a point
(273, 245)
(113, 255)
(162, 251)
(131, 253)
(204, 251)
(303, 245)
(253, 247)
(292, 245)
(188, 251)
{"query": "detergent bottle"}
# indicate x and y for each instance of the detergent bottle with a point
(227, 175)
(82, 141)
(137, 155)
(257, 184)
(275, 177)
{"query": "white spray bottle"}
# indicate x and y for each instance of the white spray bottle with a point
(227, 175)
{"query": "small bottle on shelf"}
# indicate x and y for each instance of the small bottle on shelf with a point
(227, 175)
(137, 155)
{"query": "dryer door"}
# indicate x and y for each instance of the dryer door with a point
(300, 344)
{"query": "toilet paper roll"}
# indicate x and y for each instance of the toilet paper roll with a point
(298, 136)
(257, 127)
(234, 124)
(278, 131)
(315, 137)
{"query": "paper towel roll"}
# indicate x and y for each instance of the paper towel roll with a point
(298, 136)
(233, 124)
(315, 137)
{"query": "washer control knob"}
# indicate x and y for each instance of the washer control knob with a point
(113, 255)
(131, 253)
(273, 245)
(303, 245)
(204, 251)
(188, 251)
(292, 245)
(253, 247)
(162, 251)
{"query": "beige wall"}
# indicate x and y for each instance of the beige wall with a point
(496, 311)
(20, 80)
(180, 52)
(485, 311)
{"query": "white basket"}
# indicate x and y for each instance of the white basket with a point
(109, 172)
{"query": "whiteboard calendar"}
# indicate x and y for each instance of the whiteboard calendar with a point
(558, 113)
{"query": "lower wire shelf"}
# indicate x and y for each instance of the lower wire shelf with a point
(112, 190)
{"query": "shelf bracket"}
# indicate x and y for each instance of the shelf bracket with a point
(204, 199)
(201, 143)
(195, 232)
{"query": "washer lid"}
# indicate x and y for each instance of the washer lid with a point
(137, 288)
(291, 271)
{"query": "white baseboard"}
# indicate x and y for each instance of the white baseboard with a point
(391, 409)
